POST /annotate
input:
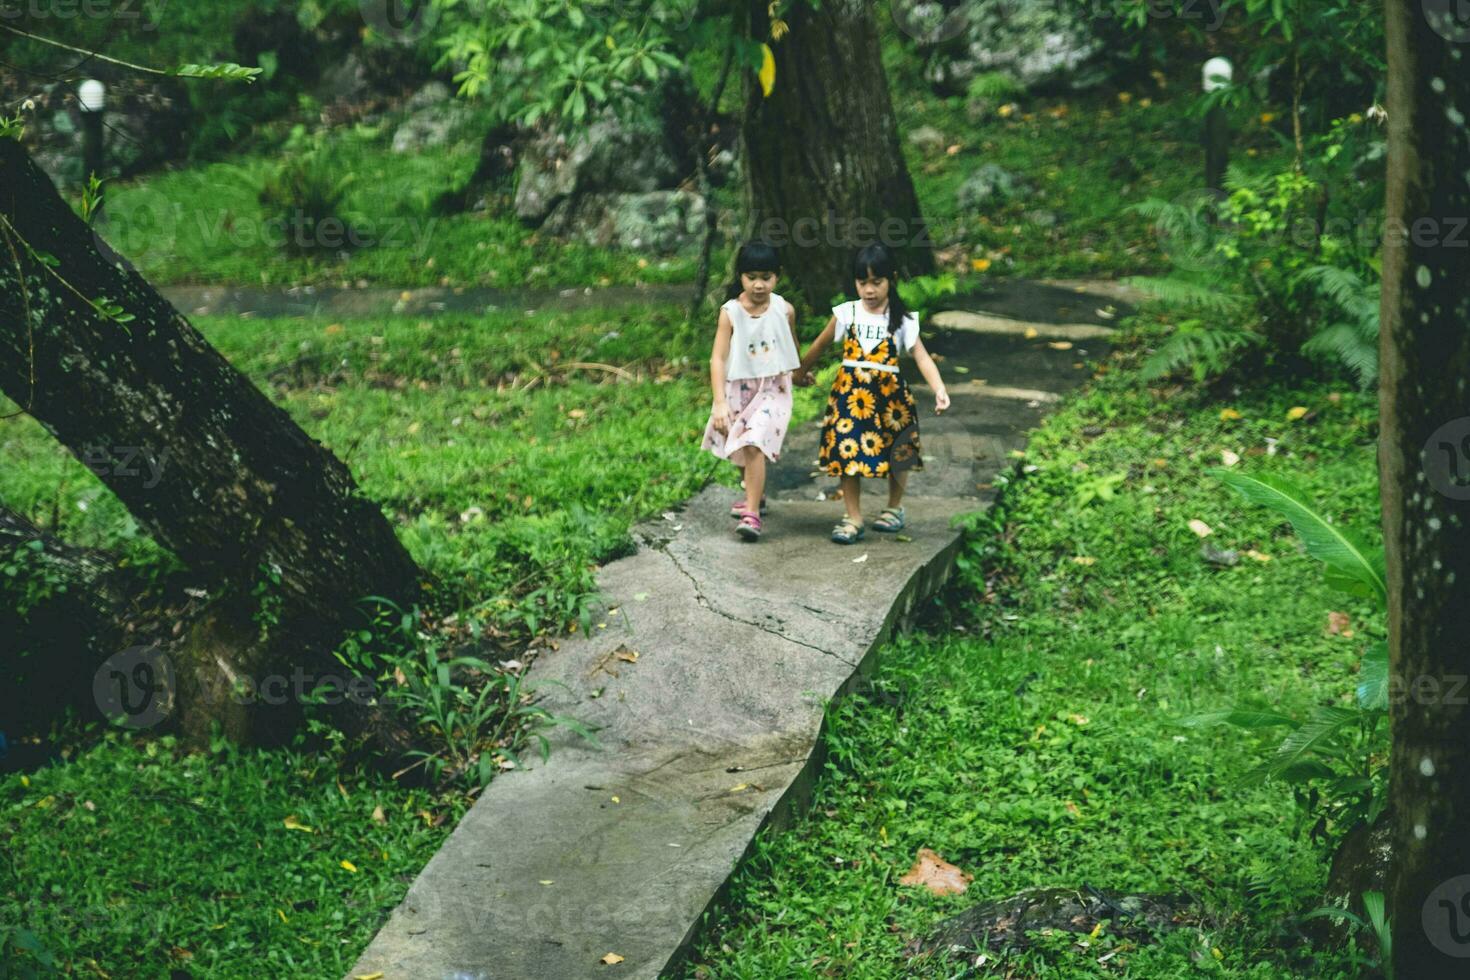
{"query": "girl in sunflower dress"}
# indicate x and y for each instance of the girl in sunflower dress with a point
(871, 427)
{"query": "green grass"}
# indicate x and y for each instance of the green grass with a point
(1027, 735)
(206, 224)
(134, 859)
(507, 475)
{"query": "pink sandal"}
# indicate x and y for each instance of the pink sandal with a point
(749, 527)
(738, 509)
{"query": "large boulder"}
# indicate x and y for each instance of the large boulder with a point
(661, 221)
(609, 156)
(1038, 43)
(434, 117)
(989, 186)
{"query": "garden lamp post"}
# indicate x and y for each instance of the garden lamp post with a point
(92, 95)
(1217, 75)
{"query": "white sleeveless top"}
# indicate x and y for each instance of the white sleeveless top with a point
(871, 328)
(760, 346)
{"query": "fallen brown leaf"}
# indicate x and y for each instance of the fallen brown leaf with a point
(937, 875)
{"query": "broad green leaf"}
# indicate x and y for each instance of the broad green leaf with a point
(1313, 736)
(1239, 717)
(228, 70)
(1373, 678)
(1341, 551)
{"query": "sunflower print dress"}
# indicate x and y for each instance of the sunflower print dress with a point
(871, 427)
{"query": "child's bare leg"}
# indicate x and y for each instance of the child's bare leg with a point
(754, 465)
(852, 498)
(897, 483)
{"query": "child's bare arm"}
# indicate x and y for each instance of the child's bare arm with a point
(930, 371)
(717, 361)
(814, 352)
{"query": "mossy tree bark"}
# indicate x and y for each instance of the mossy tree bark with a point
(825, 172)
(1424, 464)
(236, 489)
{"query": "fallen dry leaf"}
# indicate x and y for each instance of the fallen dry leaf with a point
(1084, 560)
(379, 816)
(1296, 412)
(623, 653)
(1258, 555)
(292, 823)
(860, 559)
(1229, 458)
(1226, 414)
(1059, 344)
(937, 875)
(1200, 527)
(612, 959)
(1338, 623)
(1031, 333)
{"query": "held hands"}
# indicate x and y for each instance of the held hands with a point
(802, 378)
(721, 417)
(941, 401)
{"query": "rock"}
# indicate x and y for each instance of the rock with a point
(656, 221)
(1039, 44)
(346, 81)
(608, 156)
(989, 186)
(927, 138)
(436, 116)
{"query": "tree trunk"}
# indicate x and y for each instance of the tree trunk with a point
(825, 174)
(1424, 466)
(205, 462)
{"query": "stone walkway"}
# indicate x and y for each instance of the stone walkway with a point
(707, 678)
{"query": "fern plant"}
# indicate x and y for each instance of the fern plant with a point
(1330, 758)
(1353, 339)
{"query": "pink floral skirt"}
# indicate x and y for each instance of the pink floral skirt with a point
(762, 413)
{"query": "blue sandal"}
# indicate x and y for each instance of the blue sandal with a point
(889, 520)
(847, 531)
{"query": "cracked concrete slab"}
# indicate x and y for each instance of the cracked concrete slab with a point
(705, 679)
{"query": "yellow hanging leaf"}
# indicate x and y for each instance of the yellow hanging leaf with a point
(768, 70)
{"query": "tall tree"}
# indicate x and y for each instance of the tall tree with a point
(1424, 457)
(824, 167)
(269, 517)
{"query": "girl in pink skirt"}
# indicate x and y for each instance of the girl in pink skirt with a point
(750, 375)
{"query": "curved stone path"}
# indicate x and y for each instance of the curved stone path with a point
(707, 679)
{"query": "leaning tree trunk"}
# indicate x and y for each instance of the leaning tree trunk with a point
(824, 171)
(233, 487)
(1424, 463)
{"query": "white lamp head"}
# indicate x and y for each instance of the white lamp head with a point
(92, 95)
(1218, 73)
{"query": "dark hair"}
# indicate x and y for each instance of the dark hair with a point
(879, 260)
(754, 256)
